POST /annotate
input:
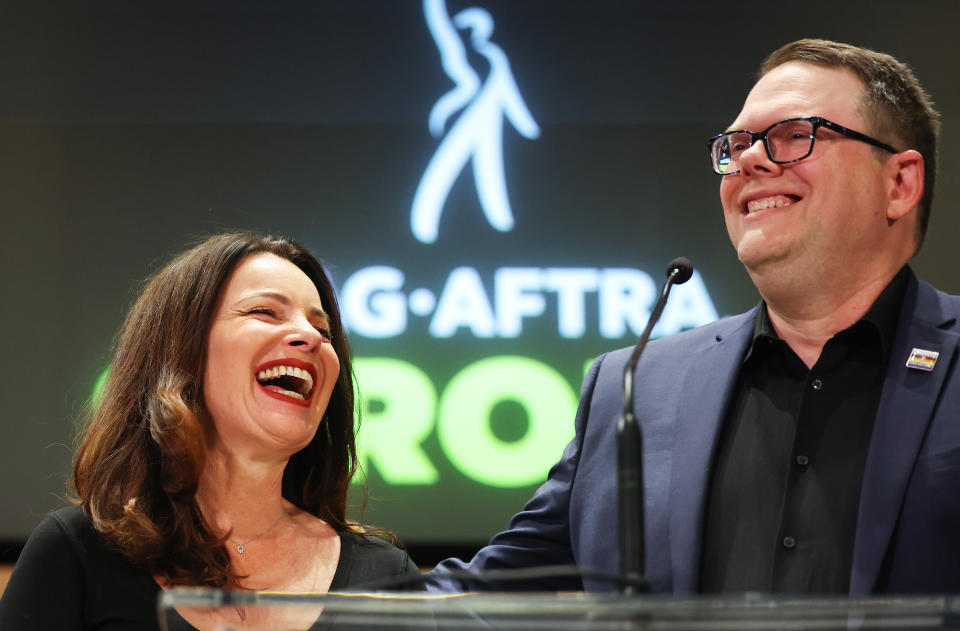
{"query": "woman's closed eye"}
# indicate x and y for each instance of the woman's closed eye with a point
(262, 311)
(323, 330)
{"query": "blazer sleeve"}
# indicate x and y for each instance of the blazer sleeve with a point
(538, 536)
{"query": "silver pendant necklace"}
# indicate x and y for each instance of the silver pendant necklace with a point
(241, 547)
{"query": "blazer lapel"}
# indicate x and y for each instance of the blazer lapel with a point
(906, 407)
(706, 390)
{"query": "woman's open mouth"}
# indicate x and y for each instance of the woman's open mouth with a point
(289, 380)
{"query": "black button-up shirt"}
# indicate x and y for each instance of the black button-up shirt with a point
(785, 485)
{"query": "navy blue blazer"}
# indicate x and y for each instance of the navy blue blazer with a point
(908, 525)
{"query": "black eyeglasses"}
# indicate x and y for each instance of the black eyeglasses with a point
(787, 141)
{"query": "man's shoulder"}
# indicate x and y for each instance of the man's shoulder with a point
(949, 303)
(710, 333)
(693, 339)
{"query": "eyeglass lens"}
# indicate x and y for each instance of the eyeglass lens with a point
(786, 141)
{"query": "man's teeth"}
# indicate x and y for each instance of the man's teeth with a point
(769, 202)
(293, 371)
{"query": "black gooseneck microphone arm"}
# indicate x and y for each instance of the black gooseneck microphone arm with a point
(630, 451)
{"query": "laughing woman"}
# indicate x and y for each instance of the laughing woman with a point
(220, 454)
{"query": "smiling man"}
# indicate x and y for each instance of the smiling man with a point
(812, 444)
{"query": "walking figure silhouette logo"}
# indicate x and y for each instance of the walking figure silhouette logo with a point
(477, 134)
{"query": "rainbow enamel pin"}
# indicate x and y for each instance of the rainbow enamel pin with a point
(922, 359)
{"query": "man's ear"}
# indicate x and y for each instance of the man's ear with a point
(904, 173)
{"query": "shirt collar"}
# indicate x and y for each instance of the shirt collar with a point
(885, 312)
(883, 315)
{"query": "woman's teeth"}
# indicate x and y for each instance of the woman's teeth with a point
(291, 376)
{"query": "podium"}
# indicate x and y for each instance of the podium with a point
(275, 611)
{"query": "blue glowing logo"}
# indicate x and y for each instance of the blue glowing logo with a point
(477, 133)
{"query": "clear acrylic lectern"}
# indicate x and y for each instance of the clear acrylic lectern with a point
(274, 611)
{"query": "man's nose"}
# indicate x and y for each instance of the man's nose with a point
(756, 161)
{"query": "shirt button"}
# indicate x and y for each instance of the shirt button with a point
(789, 543)
(816, 384)
(803, 460)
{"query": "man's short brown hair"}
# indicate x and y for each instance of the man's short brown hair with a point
(899, 109)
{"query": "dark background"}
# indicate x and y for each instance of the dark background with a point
(130, 129)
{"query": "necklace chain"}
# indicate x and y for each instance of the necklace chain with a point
(242, 611)
(242, 547)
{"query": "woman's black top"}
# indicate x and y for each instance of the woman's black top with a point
(68, 579)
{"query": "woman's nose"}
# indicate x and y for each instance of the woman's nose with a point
(304, 335)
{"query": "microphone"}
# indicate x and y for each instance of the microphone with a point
(630, 450)
(680, 269)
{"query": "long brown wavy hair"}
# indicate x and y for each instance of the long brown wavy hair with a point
(142, 448)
